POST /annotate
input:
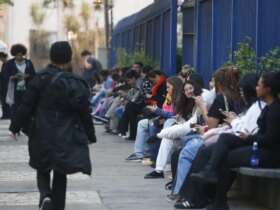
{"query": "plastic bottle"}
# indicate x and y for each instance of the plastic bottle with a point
(255, 160)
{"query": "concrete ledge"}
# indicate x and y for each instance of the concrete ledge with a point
(259, 172)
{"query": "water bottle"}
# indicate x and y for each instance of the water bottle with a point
(255, 160)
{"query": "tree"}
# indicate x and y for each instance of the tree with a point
(37, 16)
(7, 2)
(85, 14)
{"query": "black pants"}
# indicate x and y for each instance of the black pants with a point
(233, 152)
(129, 117)
(195, 192)
(57, 192)
(18, 100)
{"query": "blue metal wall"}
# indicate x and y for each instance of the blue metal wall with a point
(148, 30)
(222, 24)
(204, 42)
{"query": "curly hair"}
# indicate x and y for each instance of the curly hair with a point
(17, 49)
(185, 105)
(227, 81)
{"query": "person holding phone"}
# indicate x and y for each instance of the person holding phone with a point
(19, 71)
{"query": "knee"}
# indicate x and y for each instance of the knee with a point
(143, 123)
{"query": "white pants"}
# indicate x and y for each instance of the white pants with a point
(166, 148)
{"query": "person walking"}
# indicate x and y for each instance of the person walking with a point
(56, 108)
(19, 71)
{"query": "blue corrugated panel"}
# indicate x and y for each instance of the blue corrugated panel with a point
(221, 32)
(188, 35)
(269, 25)
(204, 57)
(150, 40)
(244, 21)
(157, 39)
(166, 44)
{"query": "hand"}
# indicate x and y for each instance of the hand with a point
(243, 136)
(199, 101)
(230, 115)
(199, 129)
(152, 108)
(148, 95)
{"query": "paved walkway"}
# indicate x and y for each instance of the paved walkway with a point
(115, 184)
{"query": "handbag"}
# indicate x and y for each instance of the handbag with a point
(10, 97)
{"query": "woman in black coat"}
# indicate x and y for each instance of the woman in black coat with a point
(20, 71)
(56, 107)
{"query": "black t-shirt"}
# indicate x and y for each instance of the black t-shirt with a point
(220, 103)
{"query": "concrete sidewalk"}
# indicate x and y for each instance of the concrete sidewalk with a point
(115, 184)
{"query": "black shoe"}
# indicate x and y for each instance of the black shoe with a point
(46, 204)
(223, 206)
(133, 157)
(154, 175)
(205, 176)
(183, 205)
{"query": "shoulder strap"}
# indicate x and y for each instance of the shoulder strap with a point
(226, 103)
(56, 76)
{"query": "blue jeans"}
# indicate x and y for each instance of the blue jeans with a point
(192, 144)
(97, 97)
(145, 129)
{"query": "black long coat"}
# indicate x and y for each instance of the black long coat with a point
(61, 127)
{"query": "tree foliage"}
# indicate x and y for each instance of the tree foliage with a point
(37, 15)
(127, 59)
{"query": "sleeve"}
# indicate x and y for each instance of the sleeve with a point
(177, 131)
(161, 113)
(27, 107)
(214, 109)
(269, 138)
(160, 96)
(82, 104)
(87, 122)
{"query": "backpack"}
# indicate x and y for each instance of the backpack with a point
(67, 92)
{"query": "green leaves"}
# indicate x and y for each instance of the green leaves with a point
(124, 59)
(271, 61)
(245, 59)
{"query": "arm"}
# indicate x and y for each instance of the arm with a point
(270, 137)
(177, 131)
(29, 102)
(161, 113)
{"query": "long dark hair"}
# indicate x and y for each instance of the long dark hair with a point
(248, 85)
(185, 105)
(178, 87)
(272, 80)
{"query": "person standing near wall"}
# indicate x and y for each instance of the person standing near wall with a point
(56, 107)
(4, 84)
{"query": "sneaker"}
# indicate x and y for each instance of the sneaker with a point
(154, 175)
(134, 157)
(172, 197)
(46, 204)
(147, 162)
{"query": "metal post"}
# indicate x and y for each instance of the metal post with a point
(106, 10)
(173, 38)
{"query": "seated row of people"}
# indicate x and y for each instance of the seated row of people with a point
(206, 135)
